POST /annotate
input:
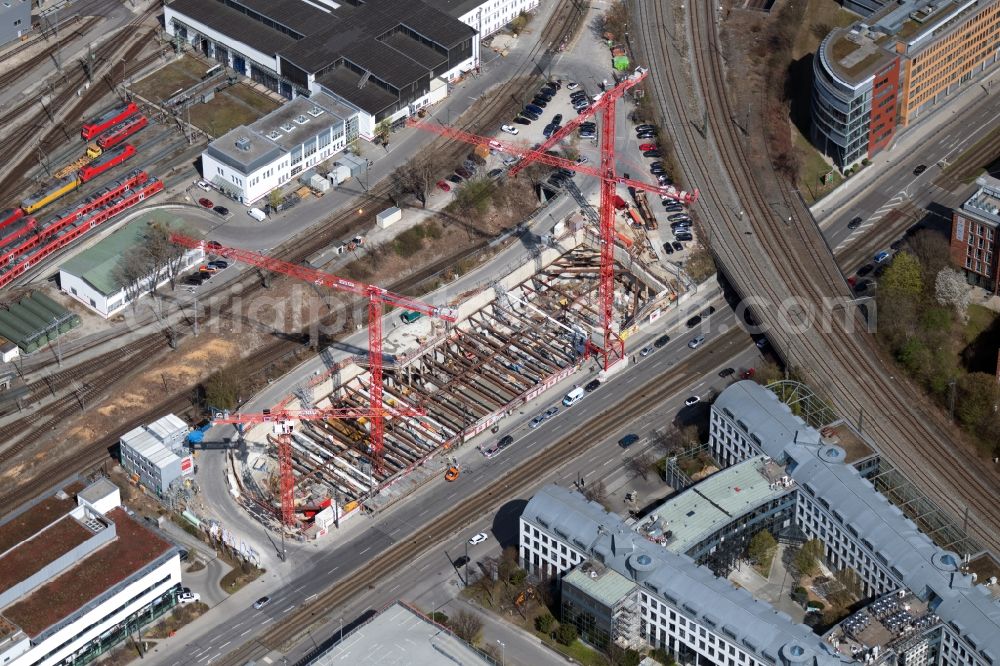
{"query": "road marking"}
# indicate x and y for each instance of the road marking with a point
(311, 597)
(237, 624)
(267, 620)
(334, 569)
(424, 512)
(213, 657)
(288, 609)
(224, 644)
(606, 463)
(246, 632)
(365, 550)
(452, 495)
(298, 588)
(394, 587)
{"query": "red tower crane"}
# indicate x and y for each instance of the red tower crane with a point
(377, 296)
(613, 349)
(282, 420)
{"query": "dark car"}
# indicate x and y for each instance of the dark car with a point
(628, 440)
(530, 115)
(453, 179)
(219, 264)
(725, 372)
(668, 248)
(463, 172)
(865, 270)
(708, 312)
(221, 210)
(504, 442)
(545, 94)
(896, 244)
(646, 135)
(694, 321)
(652, 153)
(677, 244)
(461, 561)
(920, 169)
(683, 236)
(494, 173)
(660, 341)
(557, 119)
(657, 168)
(669, 207)
(862, 287)
(540, 102)
(645, 128)
(549, 130)
(854, 223)
(537, 110)
(194, 280)
(592, 385)
(521, 120)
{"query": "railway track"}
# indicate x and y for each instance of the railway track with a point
(15, 73)
(566, 19)
(788, 258)
(519, 482)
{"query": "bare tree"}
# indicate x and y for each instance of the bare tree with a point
(467, 626)
(640, 465)
(166, 257)
(133, 272)
(596, 492)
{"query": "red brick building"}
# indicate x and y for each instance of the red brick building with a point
(974, 235)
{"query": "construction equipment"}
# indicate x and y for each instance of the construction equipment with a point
(613, 349)
(377, 298)
(282, 429)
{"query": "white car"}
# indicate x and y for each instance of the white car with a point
(696, 342)
(509, 129)
(188, 597)
(693, 400)
(510, 159)
(572, 85)
(205, 186)
(477, 539)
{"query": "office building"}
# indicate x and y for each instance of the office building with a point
(974, 236)
(878, 77)
(77, 576)
(487, 17)
(249, 162)
(15, 20)
(153, 455)
(386, 59)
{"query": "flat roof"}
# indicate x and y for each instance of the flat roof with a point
(34, 554)
(167, 426)
(605, 585)
(984, 204)
(714, 501)
(30, 521)
(400, 635)
(149, 447)
(133, 548)
(369, 97)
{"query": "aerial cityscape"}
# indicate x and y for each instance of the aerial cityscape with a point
(488, 332)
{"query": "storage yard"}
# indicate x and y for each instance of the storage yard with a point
(514, 339)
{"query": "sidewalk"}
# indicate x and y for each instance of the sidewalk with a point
(826, 210)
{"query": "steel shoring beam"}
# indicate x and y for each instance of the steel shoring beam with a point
(489, 371)
(519, 342)
(496, 350)
(572, 300)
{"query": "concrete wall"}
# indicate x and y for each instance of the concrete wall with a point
(15, 20)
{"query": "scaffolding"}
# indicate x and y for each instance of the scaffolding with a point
(804, 403)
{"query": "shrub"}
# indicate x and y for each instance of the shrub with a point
(815, 604)
(566, 633)
(544, 623)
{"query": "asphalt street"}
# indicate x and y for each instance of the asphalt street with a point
(889, 182)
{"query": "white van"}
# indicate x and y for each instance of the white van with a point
(257, 214)
(574, 396)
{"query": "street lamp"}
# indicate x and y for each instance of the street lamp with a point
(502, 646)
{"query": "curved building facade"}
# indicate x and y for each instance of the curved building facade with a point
(841, 111)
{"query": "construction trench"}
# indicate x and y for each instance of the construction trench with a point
(513, 340)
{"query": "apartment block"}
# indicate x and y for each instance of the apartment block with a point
(974, 235)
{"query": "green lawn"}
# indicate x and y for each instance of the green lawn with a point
(165, 81)
(577, 651)
(980, 319)
(814, 167)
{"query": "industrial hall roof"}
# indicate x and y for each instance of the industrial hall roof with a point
(315, 35)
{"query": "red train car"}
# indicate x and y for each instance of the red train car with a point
(108, 160)
(122, 131)
(107, 120)
(12, 232)
(9, 217)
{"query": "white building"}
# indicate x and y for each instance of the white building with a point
(89, 277)
(153, 455)
(78, 576)
(487, 17)
(384, 58)
(249, 162)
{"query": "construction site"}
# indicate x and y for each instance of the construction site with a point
(511, 341)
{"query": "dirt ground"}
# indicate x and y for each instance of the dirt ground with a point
(166, 81)
(232, 107)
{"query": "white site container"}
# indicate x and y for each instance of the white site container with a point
(388, 217)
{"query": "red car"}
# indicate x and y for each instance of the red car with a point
(648, 146)
(443, 186)
(206, 203)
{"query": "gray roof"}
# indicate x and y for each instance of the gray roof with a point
(235, 24)
(691, 588)
(766, 417)
(605, 585)
(248, 148)
(822, 471)
(344, 83)
(98, 490)
(456, 8)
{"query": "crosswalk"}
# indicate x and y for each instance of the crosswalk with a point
(900, 198)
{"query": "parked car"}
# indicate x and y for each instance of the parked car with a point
(709, 311)
(464, 173)
(652, 153)
(646, 135)
(206, 203)
(726, 372)
(531, 115)
(748, 373)
(646, 351)
(509, 129)
(494, 173)
(683, 236)
(572, 85)
(628, 440)
(668, 248)
(662, 340)
(478, 538)
(854, 223)
(535, 422)
(678, 246)
(205, 186)
(648, 146)
(865, 270)
(521, 120)
(582, 160)
(696, 342)
(557, 119)
(549, 130)
(260, 603)
(693, 400)
(881, 257)
(461, 561)
(221, 210)
(672, 207)
(645, 128)
(219, 264)
(453, 179)
(694, 321)
(592, 385)
(451, 474)
(540, 102)
(510, 159)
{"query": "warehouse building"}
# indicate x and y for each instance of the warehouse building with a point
(90, 276)
(249, 162)
(15, 20)
(77, 576)
(154, 456)
(975, 235)
(386, 59)
(880, 76)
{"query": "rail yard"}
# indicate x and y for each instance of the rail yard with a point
(317, 391)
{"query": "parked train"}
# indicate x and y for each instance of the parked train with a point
(121, 131)
(107, 120)
(64, 186)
